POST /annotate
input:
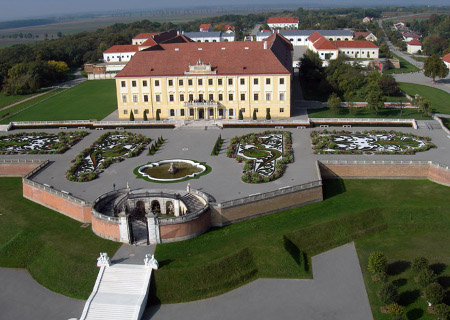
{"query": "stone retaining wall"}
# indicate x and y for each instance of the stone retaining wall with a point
(439, 175)
(185, 230)
(105, 229)
(224, 216)
(17, 169)
(69, 208)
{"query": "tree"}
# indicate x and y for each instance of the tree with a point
(131, 116)
(334, 102)
(389, 293)
(388, 85)
(374, 98)
(268, 117)
(241, 116)
(442, 311)
(419, 264)
(395, 309)
(426, 277)
(384, 49)
(377, 262)
(434, 293)
(254, 115)
(423, 104)
(434, 67)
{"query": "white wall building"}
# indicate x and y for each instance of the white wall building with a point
(214, 36)
(283, 22)
(413, 46)
(120, 53)
(300, 37)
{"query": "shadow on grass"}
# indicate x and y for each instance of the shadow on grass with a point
(398, 267)
(408, 297)
(438, 268)
(333, 187)
(444, 282)
(399, 282)
(414, 314)
(164, 262)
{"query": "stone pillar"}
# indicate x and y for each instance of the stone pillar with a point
(153, 229)
(123, 228)
(176, 208)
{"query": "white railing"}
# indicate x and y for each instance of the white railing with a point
(202, 104)
(386, 162)
(22, 161)
(352, 120)
(273, 121)
(270, 194)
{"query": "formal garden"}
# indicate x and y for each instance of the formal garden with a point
(109, 148)
(39, 142)
(265, 154)
(368, 142)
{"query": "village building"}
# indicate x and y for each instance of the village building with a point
(300, 37)
(366, 35)
(208, 80)
(283, 22)
(205, 27)
(446, 60)
(413, 46)
(212, 36)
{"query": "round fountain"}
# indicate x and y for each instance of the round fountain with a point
(172, 170)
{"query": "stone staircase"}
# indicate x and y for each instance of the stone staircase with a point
(120, 293)
(192, 202)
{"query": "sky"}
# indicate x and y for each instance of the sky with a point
(20, 9)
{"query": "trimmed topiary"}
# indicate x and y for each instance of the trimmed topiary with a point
(419, 264)
(388, 294)
(377, 262)
(434, 293)
(426, 277)
(145, 116)
(131, 116)
(241, 116)
(268, 117)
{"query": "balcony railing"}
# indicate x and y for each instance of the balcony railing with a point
(201, 104)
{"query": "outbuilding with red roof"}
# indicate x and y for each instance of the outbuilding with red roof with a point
(283, 22)
(413, 46)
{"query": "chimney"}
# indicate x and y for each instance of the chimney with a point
(265, 45)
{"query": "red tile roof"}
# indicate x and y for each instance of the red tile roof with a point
(148, 43)
(122, 48)
(145, 35)
(446, 58)
(314, 37)
(356, 35)
(414, 42)
(324, 44)
(354, 44)
(205, 26)
(282, 20)
(226, 58)
(229, 27)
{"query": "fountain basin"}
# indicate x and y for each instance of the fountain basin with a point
(158, 171)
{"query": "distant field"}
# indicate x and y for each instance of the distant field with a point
(89, 100)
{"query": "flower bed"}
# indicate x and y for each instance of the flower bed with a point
(40, 142)
(109, 148)
(368, 142)
(265, 154)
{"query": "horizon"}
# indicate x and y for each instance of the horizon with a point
(29, 9)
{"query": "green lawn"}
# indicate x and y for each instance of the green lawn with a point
(89, 100)
(57, 252)
(366, 113)
(440, 100)
(405, 66)
(7, 100)
(415, 215)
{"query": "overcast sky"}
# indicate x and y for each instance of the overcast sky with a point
(19, 9)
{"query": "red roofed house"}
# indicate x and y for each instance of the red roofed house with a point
(120, 53)
(329, 50)
(142, 37)
(369, 36)
(205, 27)
(283, 22)
(413, 46)
(198, 80)
(446, 60)
(229, 28)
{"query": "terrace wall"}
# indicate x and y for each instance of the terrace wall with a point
(224, 215)
(17, 169)
(80, 211)
(185, 230)
(105, 229)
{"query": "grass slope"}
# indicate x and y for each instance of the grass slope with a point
(405, 66)
(366, 113)
(88, 100)
(261, 243)
(440, 100)
(52, 247)
(7, 100)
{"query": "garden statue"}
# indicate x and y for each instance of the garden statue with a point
(103, 260)
(172, 169)
(188, 187)
(170, 208)
(150, 261)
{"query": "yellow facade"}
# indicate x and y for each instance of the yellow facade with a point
(207, 96)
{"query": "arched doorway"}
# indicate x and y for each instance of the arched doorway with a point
(155, 207)
(138, 224)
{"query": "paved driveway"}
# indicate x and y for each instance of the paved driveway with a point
(337, 292)
(21, 297)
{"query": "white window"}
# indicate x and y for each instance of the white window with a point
(267, 96)
(157, 98)
(282, 96)
(125, 111)
(281, 110)
(136, 111)
(124, 98)
(135, 98)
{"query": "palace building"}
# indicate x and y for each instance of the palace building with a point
(213, 80)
